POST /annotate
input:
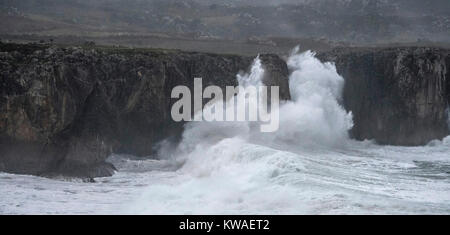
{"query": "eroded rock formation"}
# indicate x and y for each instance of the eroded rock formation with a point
(398, 96)
(65, 110)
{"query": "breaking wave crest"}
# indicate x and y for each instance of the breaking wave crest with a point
(309, 166)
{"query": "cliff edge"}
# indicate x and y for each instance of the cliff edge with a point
(63, 111)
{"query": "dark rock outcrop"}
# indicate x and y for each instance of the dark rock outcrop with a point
(276, 72)
(398, 96)
(63, 111)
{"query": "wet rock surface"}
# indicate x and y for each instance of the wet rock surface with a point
(65, 110)
(398, 96)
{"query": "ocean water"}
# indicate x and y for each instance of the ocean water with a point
(309, 166)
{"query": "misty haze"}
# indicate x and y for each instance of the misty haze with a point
(362, 122)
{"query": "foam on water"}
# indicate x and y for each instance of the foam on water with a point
(308, 166)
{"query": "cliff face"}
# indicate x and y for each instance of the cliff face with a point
(397, 96)
(65, 110)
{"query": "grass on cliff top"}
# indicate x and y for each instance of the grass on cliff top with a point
(123, 50)
(30, 47)
(126, 50)
(25, 48)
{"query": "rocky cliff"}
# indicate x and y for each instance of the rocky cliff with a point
(65, 110)
(398, 96)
